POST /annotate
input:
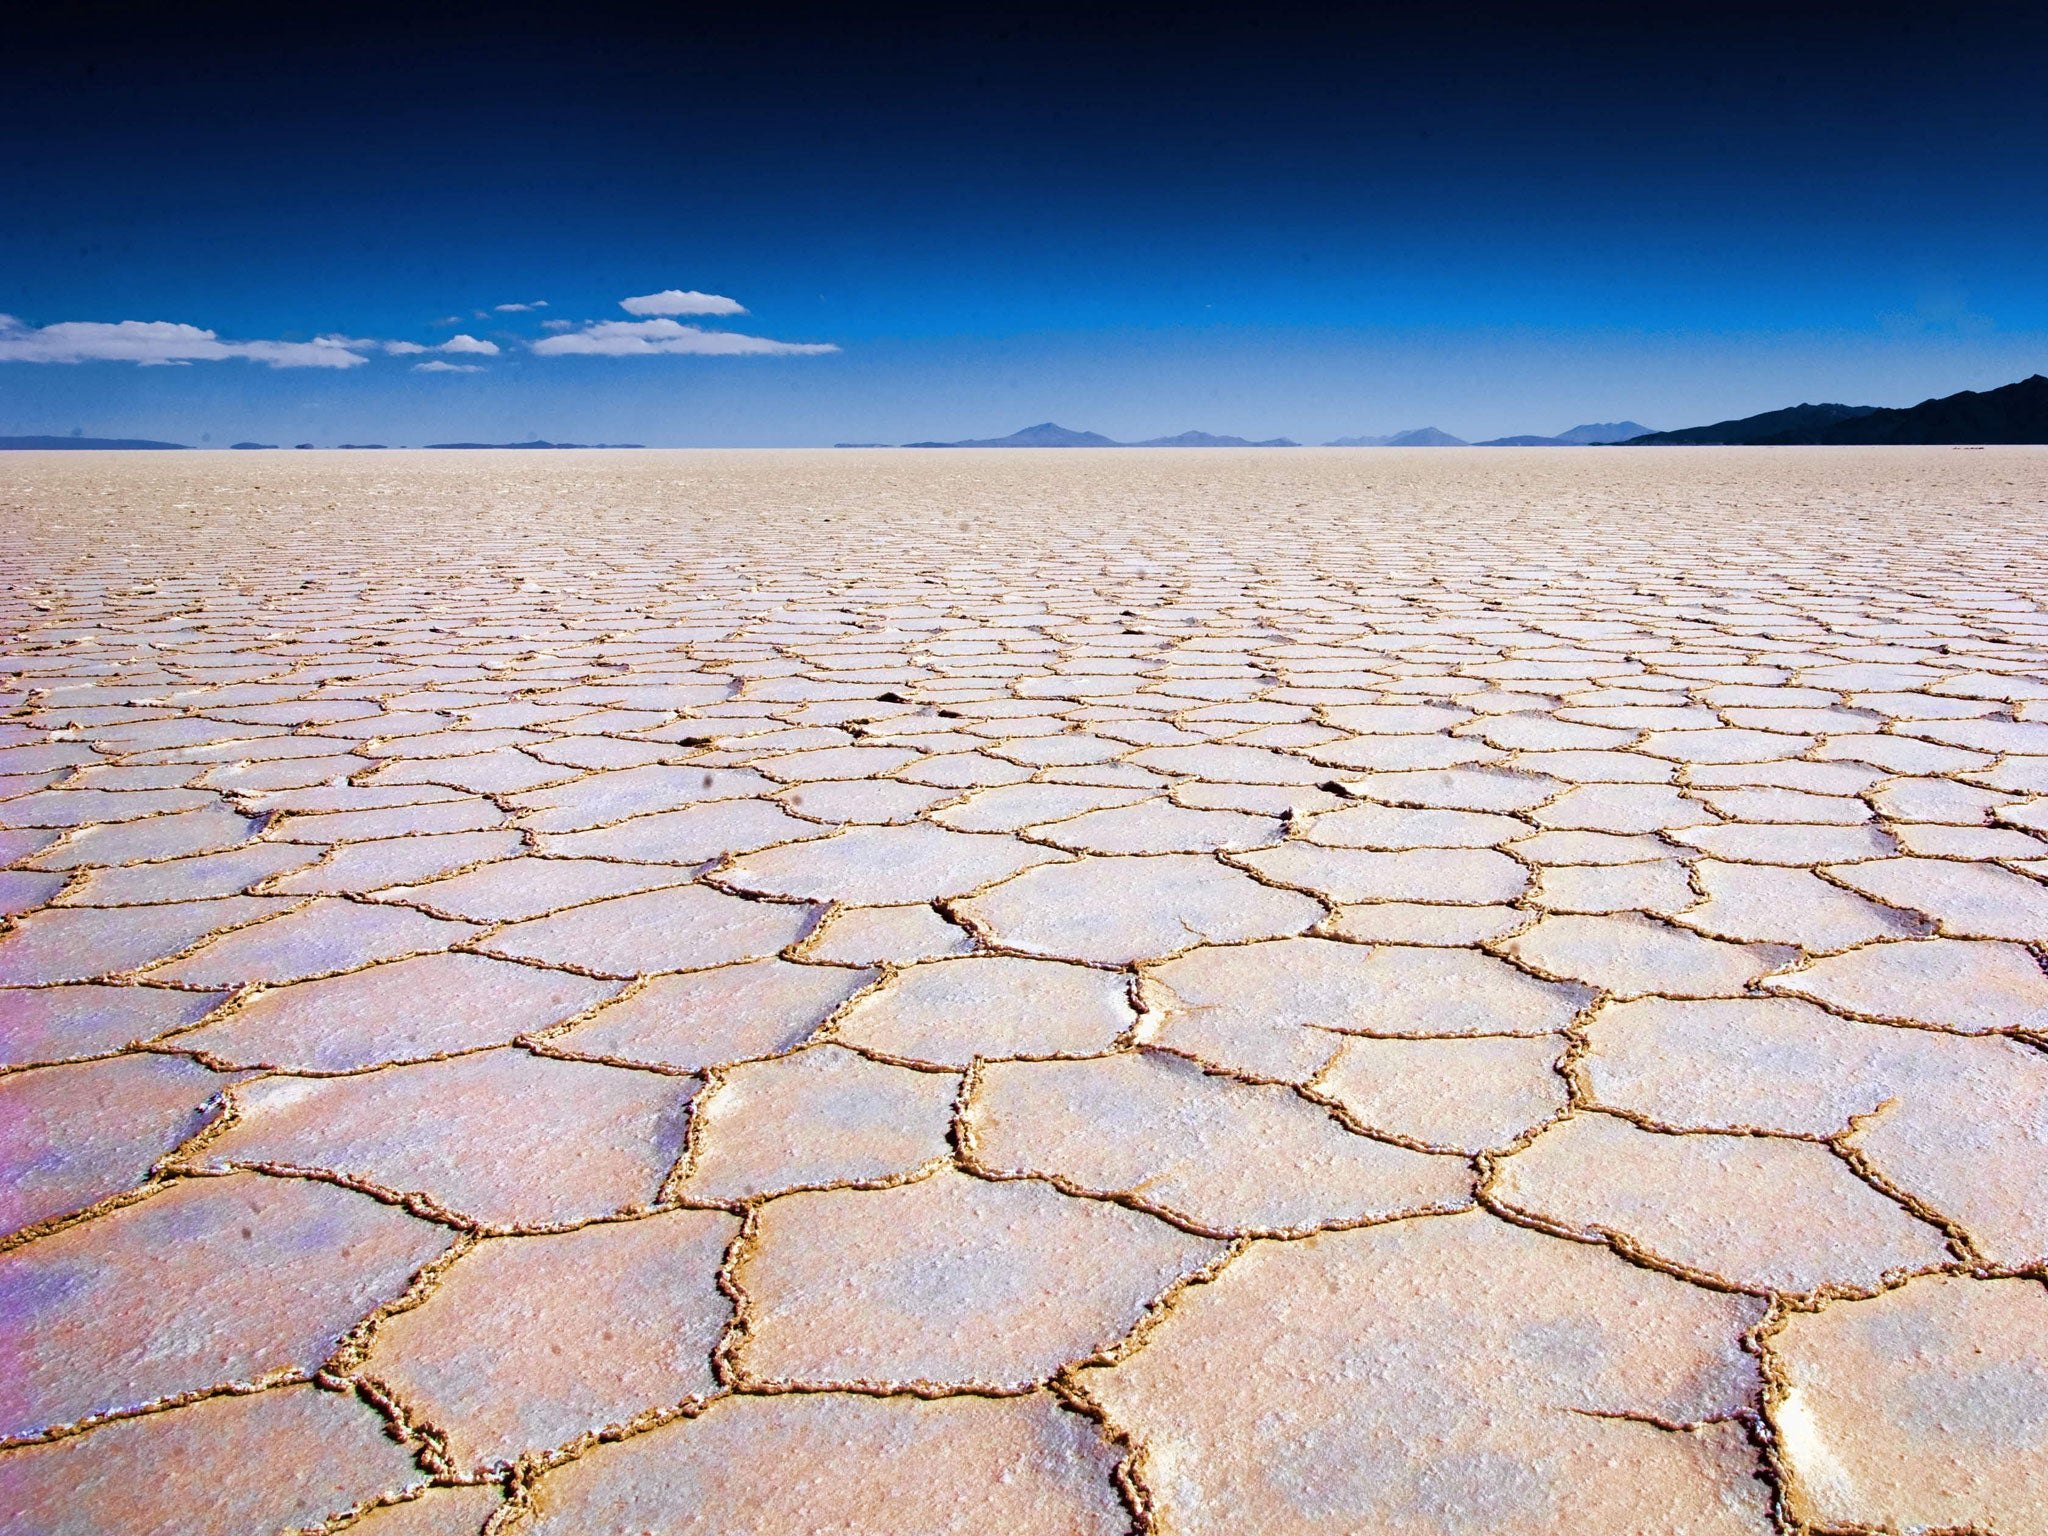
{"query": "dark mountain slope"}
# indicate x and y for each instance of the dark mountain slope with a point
(1211, 440)
(1796, 423)
(1047, 434)
(1601, 432)
(83, 442)
(2014, 413)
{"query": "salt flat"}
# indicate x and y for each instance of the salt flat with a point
(1401, 992)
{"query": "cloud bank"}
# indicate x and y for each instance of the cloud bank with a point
(681, 301)
(649, 338)
(518, 309)
(164, 343)
(461, 343)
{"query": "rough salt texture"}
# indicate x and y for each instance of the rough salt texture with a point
(71, 1136)
(1755, 1212)
(51, 1024)
(813, 1119)
(951, 1011)
(1920, 1409)
(836, 1463)
(499, 1139)
(530, 1342)
(406, 1010)
(1216, 1154)
(705, 1019)
(270, 1461)
(268, 1275)
(610, 960)
(1453, 1374)
(949, 1281)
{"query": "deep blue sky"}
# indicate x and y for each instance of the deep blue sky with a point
(1302, 222)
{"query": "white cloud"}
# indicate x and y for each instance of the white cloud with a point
(159, 343)
(459, 343)
(679, 301)
(163, 343)
(518, 309)
(648, 338)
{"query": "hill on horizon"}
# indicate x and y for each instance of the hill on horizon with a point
(1589, 434)
(1597, 433)
(1786, 424)
(1050, 434)
(46, 443)
(2012, 413)
(1415, 437)
(1211, 440)
(1047, 434)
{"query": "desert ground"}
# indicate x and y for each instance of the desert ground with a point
(1403, 993)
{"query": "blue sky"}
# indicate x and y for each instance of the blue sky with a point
(1309, 223)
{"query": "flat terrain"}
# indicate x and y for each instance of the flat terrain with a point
(1396, 993)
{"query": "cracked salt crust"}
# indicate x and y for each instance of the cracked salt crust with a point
(1003, 1019)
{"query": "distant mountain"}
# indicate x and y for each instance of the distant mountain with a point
(1587, 435)
(1211, 440)
(252, 445)
(83, 442)
(533, 445)
(1796, 423)
(1418, 437)
(1595, 432)
(362, 445)
(2013, 413)
(1049, 434)
(1046, 434)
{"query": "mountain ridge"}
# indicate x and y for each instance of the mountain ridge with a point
(1589, 434)
(1752, 430)
(2012, 413)
(1046, 434)
(1414, 437)
(46, 444)
(1211, 440)
(1050, 434)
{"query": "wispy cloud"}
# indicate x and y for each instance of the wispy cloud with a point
(164, 343)
(650, 338)
(682, 301)
(460, 343)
